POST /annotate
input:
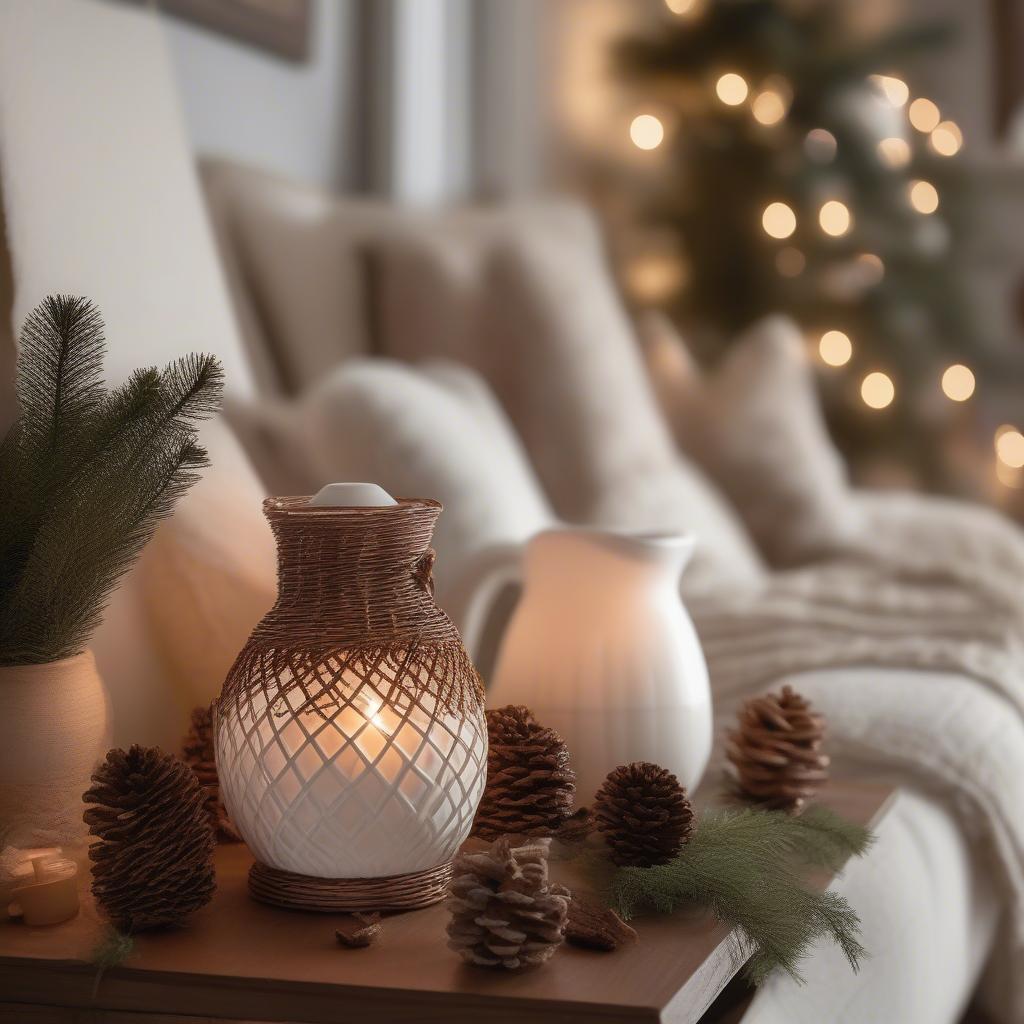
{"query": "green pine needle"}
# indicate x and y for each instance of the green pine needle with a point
(86, 475)
(111, 951)
(747, 868)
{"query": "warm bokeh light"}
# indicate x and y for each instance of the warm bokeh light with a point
(681, 6)
(924, 115)
(1008, 476)
(946, 140)
(646, 131)
(894, 151)
(655, 277)
(820, 145)
(834, 218)
(835, 348)
(768, 107)
(778, 220)
(872, 266)
(895, 89)
(958, 382)
(877, 390)
(1010, 447)
(732, 89)
(924, 197)
(790, 262)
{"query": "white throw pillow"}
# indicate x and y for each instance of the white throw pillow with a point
(535, 312)
(755, 425)
(210, 572)
(433, 431)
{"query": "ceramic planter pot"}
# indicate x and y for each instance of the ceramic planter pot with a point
(55, 726)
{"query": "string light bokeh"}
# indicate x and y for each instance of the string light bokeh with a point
(835, 348)
(732, 89)
(768, 104)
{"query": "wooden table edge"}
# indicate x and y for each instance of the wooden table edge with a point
(39, 983)
(68, 984)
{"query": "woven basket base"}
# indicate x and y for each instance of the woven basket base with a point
(334, 895)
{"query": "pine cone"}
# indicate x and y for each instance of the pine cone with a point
(153, 864)
(594, 926)
(776, 752)
(504, 911)
(644, 815)
(355, 931)
(198, 754)
(530, 786)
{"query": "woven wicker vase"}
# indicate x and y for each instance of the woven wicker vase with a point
(350, 734)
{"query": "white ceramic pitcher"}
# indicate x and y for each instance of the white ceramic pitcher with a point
(600, 647)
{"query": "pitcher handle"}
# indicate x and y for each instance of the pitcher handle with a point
(470, 598)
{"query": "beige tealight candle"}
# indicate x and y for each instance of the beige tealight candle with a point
(16, 868)
(50, 894)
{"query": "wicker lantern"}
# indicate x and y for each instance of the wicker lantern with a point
(350, 734)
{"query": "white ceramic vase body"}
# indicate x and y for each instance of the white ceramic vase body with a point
(365, 791)
(602, 650)
(55, 727)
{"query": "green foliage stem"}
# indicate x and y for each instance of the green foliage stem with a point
(747, 867)
(112, 950)
(86, 475)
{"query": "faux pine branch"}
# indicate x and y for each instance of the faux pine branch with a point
(85, 476)
(747, 868)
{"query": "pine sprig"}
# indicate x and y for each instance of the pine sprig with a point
(112, 950)
(86, 475)
(58, 387)
(747, 867)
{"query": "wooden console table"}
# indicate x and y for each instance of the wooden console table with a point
(242, 961)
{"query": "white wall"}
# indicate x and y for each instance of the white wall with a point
(297, 119)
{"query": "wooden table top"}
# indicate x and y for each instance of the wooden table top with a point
(241, 960)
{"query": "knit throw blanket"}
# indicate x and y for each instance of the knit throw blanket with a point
(930, 585)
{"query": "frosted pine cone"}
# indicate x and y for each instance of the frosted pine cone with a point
(153, 864)
(530, 785)
(644, 814)
(198, 754)
(776, 751)
(504, 912)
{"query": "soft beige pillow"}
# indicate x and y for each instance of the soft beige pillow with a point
(535, 312)
(755, 425)
(210, 572)
(433, 431)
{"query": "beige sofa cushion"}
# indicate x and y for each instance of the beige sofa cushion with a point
(300, 274)
(532, 308)
(519, 292)
(298, 262)
(755, 425)
(431, 431)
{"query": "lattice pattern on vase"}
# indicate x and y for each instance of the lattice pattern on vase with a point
(350, 737)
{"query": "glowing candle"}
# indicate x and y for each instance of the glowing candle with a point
(43, 888)
(351, 743)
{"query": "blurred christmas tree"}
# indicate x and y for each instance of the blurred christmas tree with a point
(799, 174)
